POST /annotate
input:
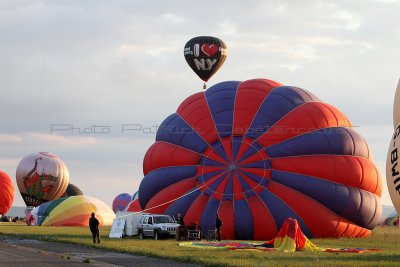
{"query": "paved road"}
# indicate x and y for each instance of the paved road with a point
(34, 253)
(11, 255)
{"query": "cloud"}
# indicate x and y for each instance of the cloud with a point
(173, 18)
(348, 20)
(228, 28)
(332, 42)
(389, 1)
(157, 51)
(63, 140)
(8, 163)
(9, 138)
(290, 67)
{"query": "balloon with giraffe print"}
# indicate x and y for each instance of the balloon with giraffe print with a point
(41, 177)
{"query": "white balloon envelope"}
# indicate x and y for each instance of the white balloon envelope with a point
(393, 169)
(41, 177)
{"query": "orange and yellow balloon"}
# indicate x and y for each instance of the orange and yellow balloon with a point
(73, 211)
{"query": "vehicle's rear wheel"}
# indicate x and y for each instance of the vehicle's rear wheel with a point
(156, 236)
(141, 236)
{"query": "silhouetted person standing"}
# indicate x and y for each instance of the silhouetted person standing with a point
(218, 225)
(180, 219)
(94, 228)
(181, 230)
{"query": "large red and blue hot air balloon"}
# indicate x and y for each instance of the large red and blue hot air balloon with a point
(256, 153)
(134, 205)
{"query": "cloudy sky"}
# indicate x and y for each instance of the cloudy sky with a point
(69, 65)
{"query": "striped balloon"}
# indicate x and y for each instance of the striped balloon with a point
(257, 152)
(73, 211)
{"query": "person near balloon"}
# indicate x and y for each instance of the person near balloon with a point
(182, 232)
(94, 228)
(180, 220)
(218, 225)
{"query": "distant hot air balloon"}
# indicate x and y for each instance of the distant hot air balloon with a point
(256, 153)
(41, 177)
(6, 192)
(391, 221)
(72, 190)
(205, 55)
(73, 211)
(31, 217)
(121, 202)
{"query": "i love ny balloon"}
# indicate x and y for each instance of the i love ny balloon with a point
(205, 55)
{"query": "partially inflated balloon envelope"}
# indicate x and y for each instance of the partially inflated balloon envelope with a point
(393, 156)
(256, 153)
(31, 217)
(135, 195)
(393, 169)
(134, 205)
(121, 201)
(41, 177)
(205, 55)
(73, 211)
(391, 221)
(6, 192)
(72, 190)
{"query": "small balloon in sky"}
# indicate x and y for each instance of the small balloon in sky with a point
(205, 55)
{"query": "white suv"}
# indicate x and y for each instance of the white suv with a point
(156, 226)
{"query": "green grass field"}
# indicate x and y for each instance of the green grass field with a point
(387, 239)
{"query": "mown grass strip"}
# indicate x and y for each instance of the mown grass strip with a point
(385, 238)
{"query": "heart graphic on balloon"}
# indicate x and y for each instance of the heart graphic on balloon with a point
(209, 50)
(205, 55)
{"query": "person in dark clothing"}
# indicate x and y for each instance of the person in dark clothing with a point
(181, 230)
(180, 219)
(218, 225)
(94, 228)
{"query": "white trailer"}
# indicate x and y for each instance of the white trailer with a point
(125, 224)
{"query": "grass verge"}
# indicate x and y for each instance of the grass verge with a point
(385, 238)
